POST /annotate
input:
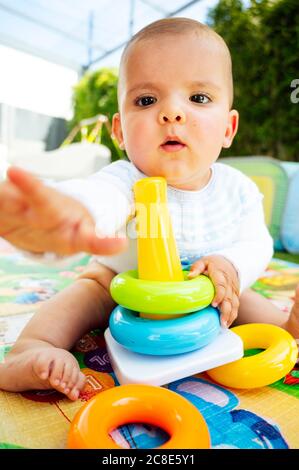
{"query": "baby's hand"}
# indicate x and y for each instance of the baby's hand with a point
(225, 279)
(37, 218)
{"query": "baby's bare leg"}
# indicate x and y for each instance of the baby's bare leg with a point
(39, 359)
(254, 308)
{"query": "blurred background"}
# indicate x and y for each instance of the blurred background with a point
(59, 64)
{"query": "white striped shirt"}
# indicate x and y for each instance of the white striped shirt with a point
(225, 217)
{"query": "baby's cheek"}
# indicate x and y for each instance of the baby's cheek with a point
(133, 141)
(213, 125)
(138, 134)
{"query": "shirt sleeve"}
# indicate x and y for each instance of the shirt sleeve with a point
(252, 249)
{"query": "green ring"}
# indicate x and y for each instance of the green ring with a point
(162, 297)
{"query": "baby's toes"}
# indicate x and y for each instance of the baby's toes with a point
(69, 377)
(79, 385)
(42, 366)
(56, 374)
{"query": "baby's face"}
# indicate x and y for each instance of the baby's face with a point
(174, 104)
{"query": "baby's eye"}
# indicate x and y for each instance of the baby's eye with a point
(200, 98)
(145, 101)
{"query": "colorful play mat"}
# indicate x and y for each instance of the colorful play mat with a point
(266, 417)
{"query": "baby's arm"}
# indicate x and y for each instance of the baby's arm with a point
(38, 218)
(237, 267)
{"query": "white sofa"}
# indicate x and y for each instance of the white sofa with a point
(76, 160)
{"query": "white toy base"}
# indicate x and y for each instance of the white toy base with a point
(130, 367)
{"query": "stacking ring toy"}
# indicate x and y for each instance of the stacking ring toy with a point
(138, 404)
(164, 337)
(275, 362)
(166, 297)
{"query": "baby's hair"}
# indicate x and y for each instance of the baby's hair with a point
(173, 26)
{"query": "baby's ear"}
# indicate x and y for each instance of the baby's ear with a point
(231, 129)
(117, 130)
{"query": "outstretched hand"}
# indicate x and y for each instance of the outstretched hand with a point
(226, 282)
(39, 219)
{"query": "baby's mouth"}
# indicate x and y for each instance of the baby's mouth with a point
(172, 144)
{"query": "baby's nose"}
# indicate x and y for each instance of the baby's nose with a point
(172, 116)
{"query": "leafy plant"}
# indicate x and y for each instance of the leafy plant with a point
(264, 42)
(96, 93)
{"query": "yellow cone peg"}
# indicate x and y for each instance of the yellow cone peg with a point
(158, 256)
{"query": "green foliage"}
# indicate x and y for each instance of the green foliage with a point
(96, 93)
(264, 43)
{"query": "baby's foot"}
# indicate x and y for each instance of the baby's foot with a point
(292, 325)
(42, 368)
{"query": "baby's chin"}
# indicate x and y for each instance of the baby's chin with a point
(177, 175)
(174, 180)
(191, 182)
(178, 181)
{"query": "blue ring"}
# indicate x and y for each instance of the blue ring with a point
(164, 337)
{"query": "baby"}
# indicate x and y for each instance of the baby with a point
(175, 115)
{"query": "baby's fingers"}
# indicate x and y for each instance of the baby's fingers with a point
(33, 190)
(87, 240)
(229, 308)
(220, 284)
(235, 309)
(44, 204)
(197, 268)
(11, 200)
(225, 310)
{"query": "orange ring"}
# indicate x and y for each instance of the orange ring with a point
(138, 404)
